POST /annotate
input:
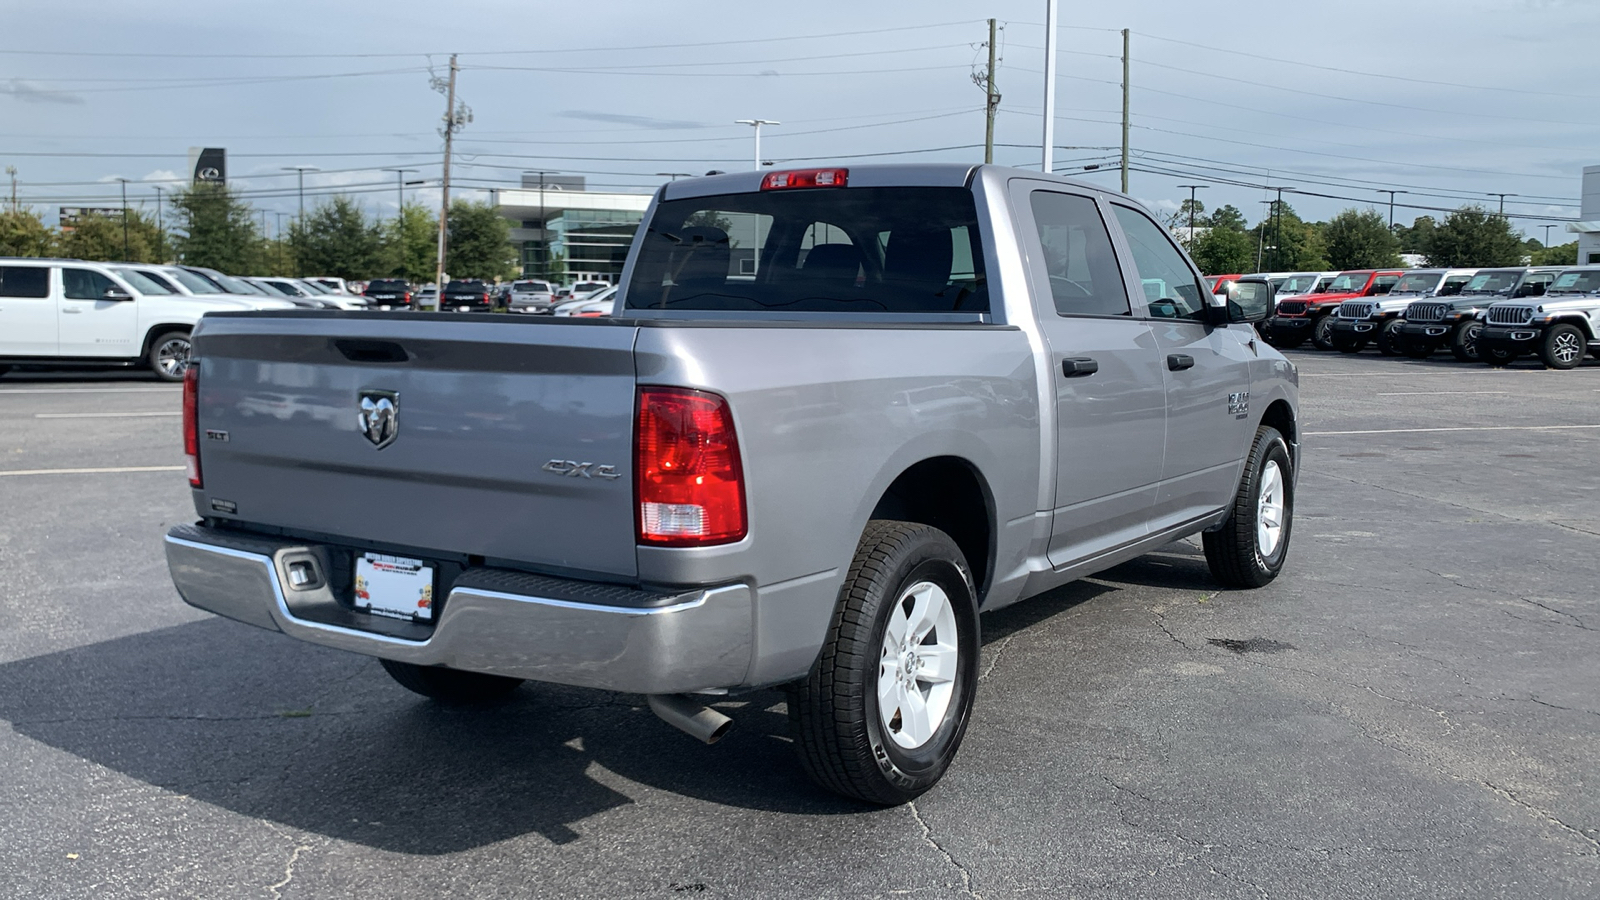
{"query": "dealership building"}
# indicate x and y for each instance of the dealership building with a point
(586, 233)
(1588, 226)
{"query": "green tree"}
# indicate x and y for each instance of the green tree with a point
(1359, 239)
(1289, 243)
(1473, 236)
(102, 238)
(1178, 221)
(1416, 237)
(336, 239)
(411, 244)
(480, 243)
(1558, 255)
(1225, 246)
(23, 233)
(216, 229)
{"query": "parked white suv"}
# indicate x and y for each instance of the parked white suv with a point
(67, 311)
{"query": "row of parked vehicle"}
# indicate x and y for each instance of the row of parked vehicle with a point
(1494, 315)
(473, 295)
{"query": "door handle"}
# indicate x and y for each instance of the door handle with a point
(1079, 366)
(71, 310)
(1179, 361)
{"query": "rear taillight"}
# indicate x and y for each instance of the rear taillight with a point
(688, 481)
(805, 178)
(191, 421)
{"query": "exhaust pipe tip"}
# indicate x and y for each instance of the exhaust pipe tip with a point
(690, 716)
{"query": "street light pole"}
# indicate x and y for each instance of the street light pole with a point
(400, 189)
(1547, 233)
(1391, 203)
(1049, 139)
(1277, 226)
(756, 124)
(1502, 201)
(125, 253)
(1192, 188)
(301, 171)
(161, 229)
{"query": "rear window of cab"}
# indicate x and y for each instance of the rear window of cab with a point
(870, 250)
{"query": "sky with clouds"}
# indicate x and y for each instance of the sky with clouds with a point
(1446, 101)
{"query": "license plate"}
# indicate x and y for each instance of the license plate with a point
(384, 306)
(463, 309)
(394, 586)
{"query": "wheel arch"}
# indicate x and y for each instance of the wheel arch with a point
(951, 494)
(1280, 415)
(1581, 321)
(155, 331)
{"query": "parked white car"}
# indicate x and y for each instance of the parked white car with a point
(531, 296)
(55, 311)
(571, 307)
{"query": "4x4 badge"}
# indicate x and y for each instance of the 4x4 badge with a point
(380, 417)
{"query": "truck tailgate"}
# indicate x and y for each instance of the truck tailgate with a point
(482, 409)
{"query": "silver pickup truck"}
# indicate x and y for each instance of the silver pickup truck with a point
(836, 414)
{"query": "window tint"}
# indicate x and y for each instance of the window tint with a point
(24, 281)
(901, 249)
(1171, 290)
(1417, 282)
(1383, 284)
(1453, 285)
(193, 282)
(82, 284)
(1085, 279)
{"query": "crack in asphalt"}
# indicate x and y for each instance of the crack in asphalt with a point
(1542, 813)
(276, 890)
(928, 838)
(1161, 622)
(1576, 622)
(1240, 879)
(1485, 512)
(994, 658)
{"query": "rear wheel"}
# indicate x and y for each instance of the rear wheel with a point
(1322, 333)
(451, 686)
(169, 355)
(1389, 338)
(1563, 347)
(1249, 549)
(1415, 349)
(1464, 340)
(883, 711)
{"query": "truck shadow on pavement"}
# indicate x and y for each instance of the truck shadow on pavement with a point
(323, 741)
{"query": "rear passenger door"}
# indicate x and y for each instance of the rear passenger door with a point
(27, 311)
(1207, 375)
(1110, 405)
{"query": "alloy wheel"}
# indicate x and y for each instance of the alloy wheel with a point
(918, 664)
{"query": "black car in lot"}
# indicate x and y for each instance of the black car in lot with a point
(388, 293)
(468, 295)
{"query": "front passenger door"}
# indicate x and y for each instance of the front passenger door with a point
(92, 325)
(1207, 376)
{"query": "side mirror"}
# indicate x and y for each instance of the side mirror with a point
(116, 294)
(1246, 300)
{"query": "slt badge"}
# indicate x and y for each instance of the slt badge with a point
(380, 417)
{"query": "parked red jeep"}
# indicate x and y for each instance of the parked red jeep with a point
(1312, 316)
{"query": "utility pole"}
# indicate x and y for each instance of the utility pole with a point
(1502, 201)
(454, 120)
(125, 253)
(544, 245)
(1049, 86)
(1192, 188)
(991, 103)
(161, 229)
(1277, 227)
(12, 171)
(1124, 110)
(277, 235)
(756, 124)
(400, 189)
(300, 172)
(1391, 203)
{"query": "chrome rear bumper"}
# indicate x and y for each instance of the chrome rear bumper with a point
(491, 622)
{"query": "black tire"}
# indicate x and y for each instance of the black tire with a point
(1563, 347)
(168, 355)
(1348, 344)
(1233, 551)
(1415, 349)
(1322, 333)
(1464, 340)
(1497, 358)
(1388, 340)
(839, 734)
(451, 686)
(4, 369)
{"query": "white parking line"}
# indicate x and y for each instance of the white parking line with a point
(110, 470)
(141, 390)
(1465, 428)
(1435, 393)
(114, 415)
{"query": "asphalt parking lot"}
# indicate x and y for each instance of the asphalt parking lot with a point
(1411, 711)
